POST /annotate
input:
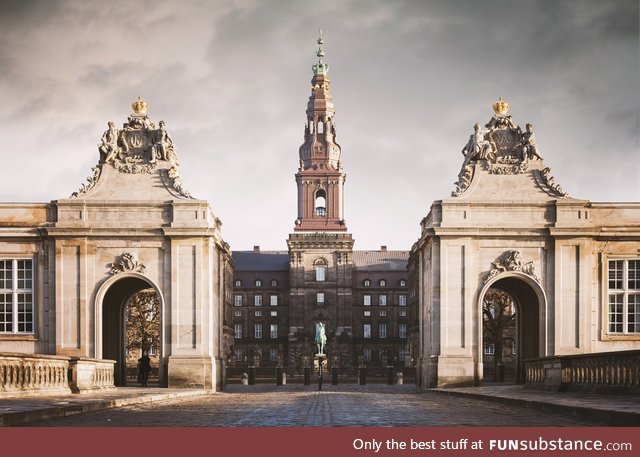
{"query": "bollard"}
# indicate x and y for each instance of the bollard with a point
(389, 375)
(245, 379)
(279, 373)
(362, 376)
(334, 376)
(307, 376)
(284, 379)
(252, 375)
(399, 378)
(500, 373)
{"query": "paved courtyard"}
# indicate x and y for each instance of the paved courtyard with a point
(297, 405)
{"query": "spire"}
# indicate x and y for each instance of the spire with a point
(320, 68)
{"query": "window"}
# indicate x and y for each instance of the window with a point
(273, 354)
(321, 273)
(237, 330)
(367, 355)
(320, 298)
(237, 283)
(274, 313)
(367, 300)
(403, 283)
(153, 350)
(513, 348)
(402, 354)
(624, 296)
(274, 331)
(239, 355)
(257, 331)
(402, 300)
(258, 314)
(257, 300)
(366, 283)
(489, 349)
(383, 330)
(273, 300)
(238, 300)
(237, 313)
(321, 203)
(403, 313)
(258, 283)
(16, 296)
(382, 283)
(367, 313)
(382, 313)
(382, 300)
(274, 283)
(367, 330)
(402, 330)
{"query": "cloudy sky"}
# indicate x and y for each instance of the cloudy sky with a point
(231, 80)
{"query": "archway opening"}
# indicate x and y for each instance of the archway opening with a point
(321, 203)
(131, 323)
(511, 329)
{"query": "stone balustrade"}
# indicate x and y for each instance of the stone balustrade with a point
(34, 374)
(21, 373)
(599, 372)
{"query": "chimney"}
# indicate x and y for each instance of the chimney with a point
(256, 249)
(383, 248)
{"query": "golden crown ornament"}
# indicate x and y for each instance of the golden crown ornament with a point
(140, 106)
(500, 107)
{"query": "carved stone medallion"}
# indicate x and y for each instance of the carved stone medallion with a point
(127, 262)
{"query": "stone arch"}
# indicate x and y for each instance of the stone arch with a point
(109, 325)
(531, 304)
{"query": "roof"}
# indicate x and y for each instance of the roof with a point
(260, 261)
(279, 260)
(380, 260)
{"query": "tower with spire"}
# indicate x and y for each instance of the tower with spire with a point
(320, 178)
(320, 249)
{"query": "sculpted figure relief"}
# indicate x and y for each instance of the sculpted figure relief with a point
(528, 147)
(109, 149)
(162, 147)
(477, 147)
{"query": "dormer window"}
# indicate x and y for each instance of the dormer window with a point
(366, 283)
(258, 283)
(237, 283)
(383, 283)
(403, 283)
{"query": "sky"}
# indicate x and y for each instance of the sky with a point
(232, 78)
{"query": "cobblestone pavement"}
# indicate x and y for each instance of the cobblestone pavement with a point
(297, 405)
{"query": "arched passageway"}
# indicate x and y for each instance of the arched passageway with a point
(520, 337)
(114, 329)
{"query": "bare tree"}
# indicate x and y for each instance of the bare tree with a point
(143, 320)
(498, 312)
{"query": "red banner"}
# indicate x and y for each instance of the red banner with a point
(321, 441)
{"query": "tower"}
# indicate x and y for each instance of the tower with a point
(320, 249)
(320, 178)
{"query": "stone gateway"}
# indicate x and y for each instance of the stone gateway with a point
(569, 267)
(68, 267)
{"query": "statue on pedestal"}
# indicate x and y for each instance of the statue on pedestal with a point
(320, 338)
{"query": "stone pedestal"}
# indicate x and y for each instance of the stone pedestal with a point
(88, 375)
(195, 372)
